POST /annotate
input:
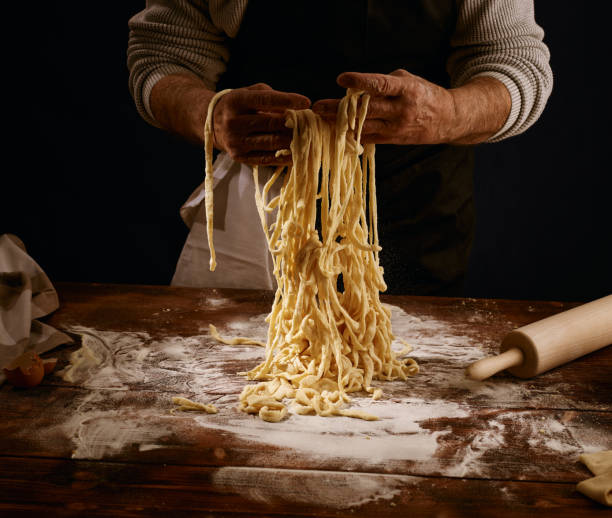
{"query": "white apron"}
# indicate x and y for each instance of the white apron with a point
(243, 259)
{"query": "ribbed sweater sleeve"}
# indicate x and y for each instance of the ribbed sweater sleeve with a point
(179, 36)
(501, 39)
(498, 38)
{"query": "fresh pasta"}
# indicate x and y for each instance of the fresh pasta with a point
(329, 334)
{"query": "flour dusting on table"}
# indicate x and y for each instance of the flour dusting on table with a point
(437, 423)
(98, 429)
(326, 489)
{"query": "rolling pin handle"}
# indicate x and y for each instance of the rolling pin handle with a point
(485, 368)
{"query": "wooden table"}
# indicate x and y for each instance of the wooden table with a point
(108, 444)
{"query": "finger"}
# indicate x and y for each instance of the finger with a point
(267, 142)
(259, 158)
(268, 100)
(259, 86)
(380, 84)
(381, 108)
(400, 72)
(326, 108)
(247, 124)
(378, 108)
(377, 127)
(374, 138)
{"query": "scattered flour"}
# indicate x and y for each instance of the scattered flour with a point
(549, 434)
(426, 424)
(151, 447)
(327, 489)
(468, 457)
(98, 431)
(213, 301)
(436, 340)
(106, 360)
(397, 436)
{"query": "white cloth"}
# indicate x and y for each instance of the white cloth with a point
(243, 259)
(26, 294)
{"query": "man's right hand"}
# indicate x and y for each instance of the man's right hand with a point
(248, 123)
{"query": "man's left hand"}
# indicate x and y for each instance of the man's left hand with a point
(407, 109)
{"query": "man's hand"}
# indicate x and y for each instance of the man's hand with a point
(407, 109)
(248, 123)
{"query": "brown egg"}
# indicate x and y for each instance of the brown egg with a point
(25, 371)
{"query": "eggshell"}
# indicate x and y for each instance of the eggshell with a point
(49, 364)
(25, 371)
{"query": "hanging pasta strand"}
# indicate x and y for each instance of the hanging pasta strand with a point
(329, 335)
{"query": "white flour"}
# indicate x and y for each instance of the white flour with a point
(99, 431)
(397, 436)
(327, 489)
(212, 300)
(437, 423)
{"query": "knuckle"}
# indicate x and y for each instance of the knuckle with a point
(261, 86)
(383, 85)
(371, 83)
(420, 89)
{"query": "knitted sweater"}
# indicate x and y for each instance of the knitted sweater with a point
(497, 38)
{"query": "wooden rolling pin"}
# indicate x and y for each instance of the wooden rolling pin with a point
(553, 341)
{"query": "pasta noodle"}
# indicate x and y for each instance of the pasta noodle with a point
(208, 179)
(329, 335)
(238, 340)
(186, 405)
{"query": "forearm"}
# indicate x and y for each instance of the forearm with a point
(179, 103)
(189, 37)
(501, 39)
(481, 107)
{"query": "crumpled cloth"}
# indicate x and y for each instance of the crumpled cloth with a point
(26, 293)
(599, 487)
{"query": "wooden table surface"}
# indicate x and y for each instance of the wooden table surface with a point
(108, 444)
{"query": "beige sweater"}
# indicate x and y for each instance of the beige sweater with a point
(497, 38)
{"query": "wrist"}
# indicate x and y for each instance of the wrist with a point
(179, 103)
(480, 109)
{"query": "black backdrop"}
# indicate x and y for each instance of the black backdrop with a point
(94, 191)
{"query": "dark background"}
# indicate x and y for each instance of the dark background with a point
(94, 191)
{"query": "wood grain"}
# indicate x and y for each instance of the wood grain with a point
(504, 447)
(79, 488)
(34, 424)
